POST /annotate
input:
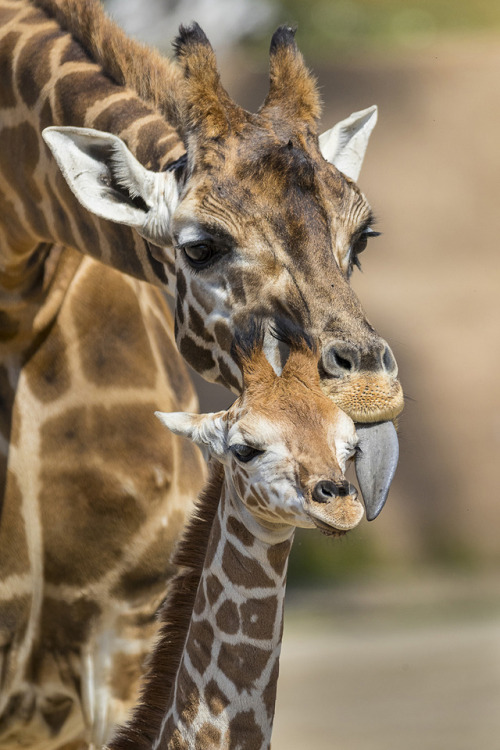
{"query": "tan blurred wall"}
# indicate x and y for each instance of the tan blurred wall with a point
(431, 284)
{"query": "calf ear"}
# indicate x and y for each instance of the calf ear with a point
(109, 181)
(208, 431)
(345, 144)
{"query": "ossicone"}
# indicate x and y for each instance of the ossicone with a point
(284, 36)
(248, 351)
(189, 36)
(292, 87)
(208, 112)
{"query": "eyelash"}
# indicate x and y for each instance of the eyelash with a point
(365, 233)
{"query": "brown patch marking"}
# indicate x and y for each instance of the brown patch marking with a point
(55, 710)
(199, 645)
(23, 142)
(208, 738)
(240, 531)
(65, 627)
(149, 575)
(244, 732)
(113, 341)
(269, 693)
(215, 699)
(213, 588)
(258, 617)
(47, 371)
(126, 675)
(278, 556)
(14, 558)
(227, 618)
(33, 65)
(7, 47)
(188, 697)
(248, 574)
(242, 663)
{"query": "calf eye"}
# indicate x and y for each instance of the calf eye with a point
(245, 453)
(199, 255)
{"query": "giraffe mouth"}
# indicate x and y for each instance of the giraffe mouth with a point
(337, 516)
(328, 530)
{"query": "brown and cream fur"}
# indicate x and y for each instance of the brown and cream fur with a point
(93, 492)
(213, 674)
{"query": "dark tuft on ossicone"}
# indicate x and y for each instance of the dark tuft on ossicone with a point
(189, 36)
(284, 36)
(247, 340)
(292, 335)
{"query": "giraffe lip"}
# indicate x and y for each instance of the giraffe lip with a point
(326, 522)
(326, 529)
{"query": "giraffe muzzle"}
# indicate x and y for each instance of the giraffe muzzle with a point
(334, 506)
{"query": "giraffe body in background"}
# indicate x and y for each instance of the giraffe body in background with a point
(280, 453)
(249, 221)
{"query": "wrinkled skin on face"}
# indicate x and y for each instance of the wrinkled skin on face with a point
(280, 247)
(255, 223)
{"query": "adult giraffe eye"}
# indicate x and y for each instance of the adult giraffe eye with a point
(359, 246)
(199, 255)
(245, 453)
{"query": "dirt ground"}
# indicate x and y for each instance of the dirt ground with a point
(392, 665)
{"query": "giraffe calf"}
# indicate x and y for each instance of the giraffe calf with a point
(283, 444)
(278, 460)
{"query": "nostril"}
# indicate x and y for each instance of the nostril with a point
(388, 360)
(342, 362)
(340, 359)
(324, 491)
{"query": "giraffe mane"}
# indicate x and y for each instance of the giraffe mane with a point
(157, 80)
(175, 616)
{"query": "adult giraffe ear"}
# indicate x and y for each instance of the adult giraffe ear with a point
(345, 144)
(110, 183)
(207, 431)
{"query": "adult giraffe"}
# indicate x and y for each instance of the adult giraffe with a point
(254, 222)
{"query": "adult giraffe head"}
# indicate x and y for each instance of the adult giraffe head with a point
(266, 221)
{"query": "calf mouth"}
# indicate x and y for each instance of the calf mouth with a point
(338, 516)
(328, 530)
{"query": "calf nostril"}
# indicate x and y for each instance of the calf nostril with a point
(324, 491)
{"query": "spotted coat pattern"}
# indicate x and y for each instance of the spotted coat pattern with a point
(92, 491)
(223, 692)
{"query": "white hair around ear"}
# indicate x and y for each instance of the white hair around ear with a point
(208, 431)
(345, 144)
(179, 422)
(108, 180)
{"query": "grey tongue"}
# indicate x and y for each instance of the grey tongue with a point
(376, 463)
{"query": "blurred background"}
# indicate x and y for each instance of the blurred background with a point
(392, 636)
